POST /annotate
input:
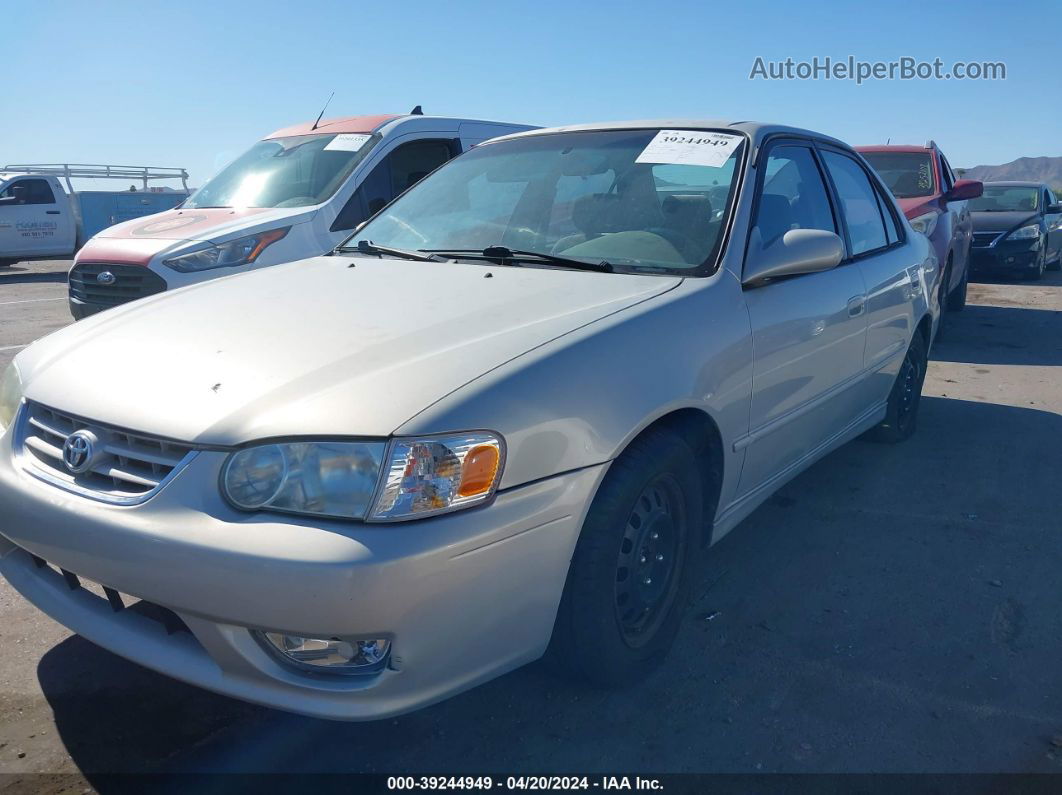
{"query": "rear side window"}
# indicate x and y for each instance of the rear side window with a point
(34, 191)
(859, 203)
(793, 195)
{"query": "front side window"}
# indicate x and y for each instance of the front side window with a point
(579, 195)
(907, 174)
(793, 196)
(297, 171)
(859, 204)
(1007, 199)
(32, 191)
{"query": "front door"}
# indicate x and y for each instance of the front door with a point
(809, 331)
(35, 224)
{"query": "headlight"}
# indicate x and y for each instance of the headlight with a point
(10, 395)
(438, 474)
(320, 478)
(925, 223)
(1031, 232)
(412, 478)
(226, 255)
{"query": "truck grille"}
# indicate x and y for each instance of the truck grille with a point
(125, 468)
(984, 239)
(130, 282)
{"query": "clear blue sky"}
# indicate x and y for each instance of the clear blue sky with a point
(194, 83)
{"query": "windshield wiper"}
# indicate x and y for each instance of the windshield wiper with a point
(504, 254)
(368, 247)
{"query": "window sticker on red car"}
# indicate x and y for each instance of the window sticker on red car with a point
(689, 148)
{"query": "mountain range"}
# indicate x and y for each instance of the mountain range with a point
(1032, 169)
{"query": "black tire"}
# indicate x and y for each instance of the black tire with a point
(616, 624)
(901, 416)
(1038, 274)
(1056, 265)
(957, 298)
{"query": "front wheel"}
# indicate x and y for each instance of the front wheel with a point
(628, 581)
(901, 415)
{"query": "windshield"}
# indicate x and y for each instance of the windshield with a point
(580, 195)
(907, 174)
(285, 172)
(1007, 198)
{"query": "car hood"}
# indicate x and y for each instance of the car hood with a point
(1001, 222)
(919, 205)
(325, 346)
(209, 223)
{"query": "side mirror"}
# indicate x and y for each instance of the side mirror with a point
(965, 189)
(1053, 209)
(6, 201)
(798, 251)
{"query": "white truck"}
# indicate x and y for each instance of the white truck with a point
(39, 219)
(297, 193)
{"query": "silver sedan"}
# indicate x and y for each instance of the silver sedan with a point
(496, 424)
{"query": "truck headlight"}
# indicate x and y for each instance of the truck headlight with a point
(1031, 232)
(925, 223)
(319, 478)
(241, 251)
(436, 474)
(10, 395)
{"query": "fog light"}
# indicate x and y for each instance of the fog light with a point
(330, 655)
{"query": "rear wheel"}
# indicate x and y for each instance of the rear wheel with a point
(901, 415)
(628, 582)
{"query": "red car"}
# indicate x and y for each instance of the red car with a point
(935, 203)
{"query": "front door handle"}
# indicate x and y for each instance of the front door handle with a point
(856, 305)
(51, 212)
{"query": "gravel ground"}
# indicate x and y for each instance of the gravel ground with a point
(894, 609)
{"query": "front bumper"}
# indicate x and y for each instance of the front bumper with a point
(463, 597)
(1005, 257)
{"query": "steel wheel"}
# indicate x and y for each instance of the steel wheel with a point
(911, 379)
(654, 539)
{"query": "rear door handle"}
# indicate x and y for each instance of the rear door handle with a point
(51, 212)
(856, 305)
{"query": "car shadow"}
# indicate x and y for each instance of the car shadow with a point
(20, 275)
(885, 593)
(992, 334)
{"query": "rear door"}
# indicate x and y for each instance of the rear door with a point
(39, 223)
(875, 242)
(809, 331)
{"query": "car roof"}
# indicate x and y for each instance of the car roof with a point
(894, 148)
(372, 124)
(344, 124)
(757, 131)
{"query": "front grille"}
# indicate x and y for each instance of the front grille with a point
(117, 601)
(126, 468)
(130, 282)
(984, 239)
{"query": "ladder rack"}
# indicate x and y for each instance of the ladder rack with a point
(94, 171)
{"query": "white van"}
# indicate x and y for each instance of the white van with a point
(295, 194)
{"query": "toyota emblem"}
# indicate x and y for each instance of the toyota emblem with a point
(106, 277)
(79, 450)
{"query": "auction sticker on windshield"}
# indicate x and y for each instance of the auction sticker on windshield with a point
(689, 148)
(347, 142)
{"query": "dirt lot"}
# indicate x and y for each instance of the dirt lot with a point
(896, 608)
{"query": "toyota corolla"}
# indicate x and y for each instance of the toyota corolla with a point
(497, 423)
